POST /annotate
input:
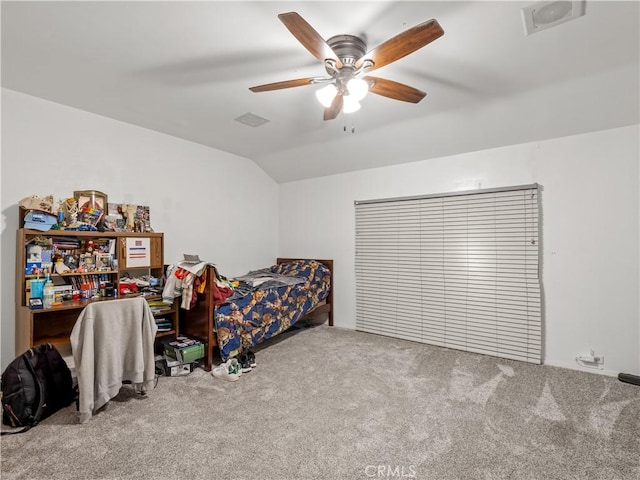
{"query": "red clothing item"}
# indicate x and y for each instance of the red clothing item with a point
(220, 294)
(181, 273)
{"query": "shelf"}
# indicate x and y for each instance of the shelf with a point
(71, 305)
(74, 274)
(88, 233)
(81, 303)
(166, 334)
(57, 341)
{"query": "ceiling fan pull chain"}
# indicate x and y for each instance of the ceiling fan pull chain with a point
(353, 126)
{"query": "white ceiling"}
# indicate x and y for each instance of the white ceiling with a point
(185, 68)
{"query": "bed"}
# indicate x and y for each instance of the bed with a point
(244, 321)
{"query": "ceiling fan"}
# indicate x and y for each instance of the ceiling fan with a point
(346, 59)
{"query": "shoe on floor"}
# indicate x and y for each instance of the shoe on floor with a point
(245, 365)
(252, 359)
(229, 370)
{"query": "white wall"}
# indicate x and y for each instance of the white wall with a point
(218, 205)
(590, 231)
(590, 208)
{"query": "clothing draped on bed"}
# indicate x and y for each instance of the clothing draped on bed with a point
(269, 301)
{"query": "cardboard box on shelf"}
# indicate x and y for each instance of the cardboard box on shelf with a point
(183, 349)
(174, 368)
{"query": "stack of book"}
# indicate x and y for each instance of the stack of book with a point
(164, 325)
(158, 307)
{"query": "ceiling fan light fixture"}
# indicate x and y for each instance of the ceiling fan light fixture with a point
(326, 95)
(357, 88)
(350, 105)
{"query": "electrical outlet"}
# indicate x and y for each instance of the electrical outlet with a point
(591, 361)
(586, 358)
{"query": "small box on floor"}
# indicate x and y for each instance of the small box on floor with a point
(183, 349)
(174, 368)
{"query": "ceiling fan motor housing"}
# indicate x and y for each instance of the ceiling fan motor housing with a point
(348, 48)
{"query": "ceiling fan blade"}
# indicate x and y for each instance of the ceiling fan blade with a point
(395, 90)
(299, 82)
(336, 107)
(402, 45)
(309, 38)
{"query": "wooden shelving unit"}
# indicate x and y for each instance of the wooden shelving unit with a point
(54, 325)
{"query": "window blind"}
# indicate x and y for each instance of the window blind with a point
(457, 270)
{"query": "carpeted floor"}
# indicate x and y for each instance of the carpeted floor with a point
(327, 403)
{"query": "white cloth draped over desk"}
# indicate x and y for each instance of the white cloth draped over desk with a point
(112, 342)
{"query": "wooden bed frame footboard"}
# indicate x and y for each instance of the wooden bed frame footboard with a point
(198, 322)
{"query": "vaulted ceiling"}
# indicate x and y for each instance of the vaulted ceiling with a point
(185, 68)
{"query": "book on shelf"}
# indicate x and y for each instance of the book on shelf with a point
(164, 325)
(157, 303)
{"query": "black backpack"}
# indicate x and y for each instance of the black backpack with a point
(35, 385)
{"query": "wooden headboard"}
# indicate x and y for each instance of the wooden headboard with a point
(327, 307)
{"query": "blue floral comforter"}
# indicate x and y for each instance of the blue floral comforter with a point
(271, 307)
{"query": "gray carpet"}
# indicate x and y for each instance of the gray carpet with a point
(327, 403)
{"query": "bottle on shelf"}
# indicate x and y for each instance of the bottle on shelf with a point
(48, 293)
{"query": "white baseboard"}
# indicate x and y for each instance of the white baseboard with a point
(575, 366)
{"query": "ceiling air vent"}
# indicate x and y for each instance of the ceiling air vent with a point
(251, 119)
(545, 15)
